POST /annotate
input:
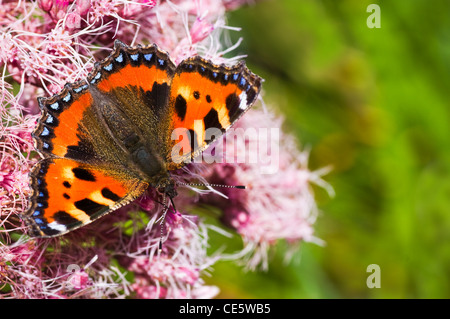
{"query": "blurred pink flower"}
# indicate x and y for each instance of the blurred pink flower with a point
(73, 21)
(200, 30)
(132, 10)
(278, 203)
(45, 5)
(83, 7)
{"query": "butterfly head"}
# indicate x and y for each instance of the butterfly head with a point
(167, 187)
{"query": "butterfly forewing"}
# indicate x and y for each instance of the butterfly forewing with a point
(203, 97)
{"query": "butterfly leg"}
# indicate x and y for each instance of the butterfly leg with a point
(163, 217)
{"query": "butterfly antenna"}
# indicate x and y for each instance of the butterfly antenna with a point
(213, 185)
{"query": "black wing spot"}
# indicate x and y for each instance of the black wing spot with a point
(107, 193)
(251, 95)
(211, 120)
(208, 98)
(157, 97)
(193, 139)
(89, 206)
(180, 107)
(232, 103)
(64, 218)
(83, 174)
(82, 151)
(196, 95)
(66, 184)
(66, 196)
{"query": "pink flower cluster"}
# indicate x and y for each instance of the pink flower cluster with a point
(46, 43)
(277, 204)
(15, 159)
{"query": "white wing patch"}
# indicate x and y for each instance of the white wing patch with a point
(243, 99)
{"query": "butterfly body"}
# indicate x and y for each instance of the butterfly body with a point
(108, 138)
(128, 134)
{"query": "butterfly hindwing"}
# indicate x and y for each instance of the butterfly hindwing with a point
(69, 194)
(203, 97)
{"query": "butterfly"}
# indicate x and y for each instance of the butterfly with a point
(106, 139)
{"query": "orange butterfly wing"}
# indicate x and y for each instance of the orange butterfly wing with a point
(69, 194)
(203, 97)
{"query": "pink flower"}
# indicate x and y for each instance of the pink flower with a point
(143, 291)
(45, 5)
(79, 279)
(55, 8)
(200, 30)
(279, 203)
(174, 271)
(101, 9)
(83, 7)
(132, 10)
(73, 21)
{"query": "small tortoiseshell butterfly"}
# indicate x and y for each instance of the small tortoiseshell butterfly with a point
(108, 138)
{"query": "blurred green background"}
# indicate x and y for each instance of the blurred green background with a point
(374, 104)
